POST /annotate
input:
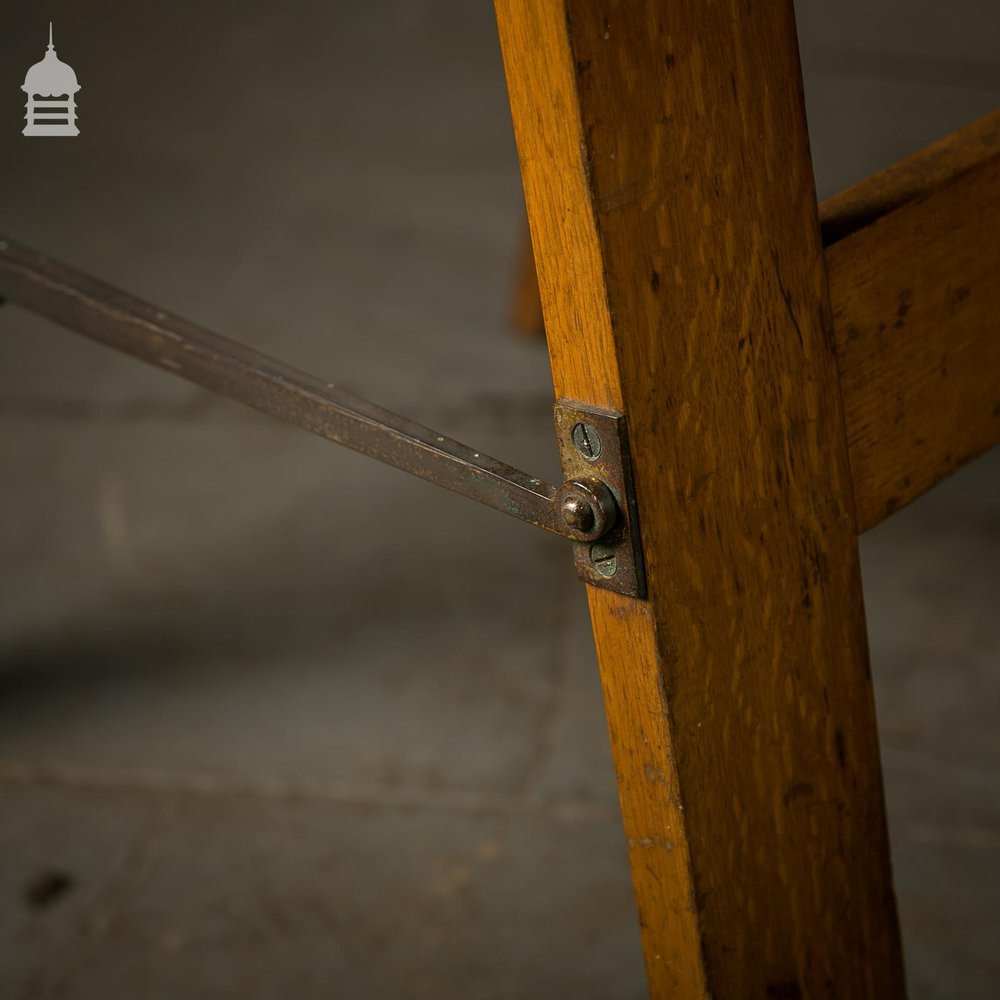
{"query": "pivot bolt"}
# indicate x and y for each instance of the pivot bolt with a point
(587, 507)
(577, 512)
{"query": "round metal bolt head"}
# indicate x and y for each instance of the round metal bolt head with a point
(587, 507)
(577, 512)
(603, 559)
(587, 441)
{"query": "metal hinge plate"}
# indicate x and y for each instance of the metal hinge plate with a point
(593, 444)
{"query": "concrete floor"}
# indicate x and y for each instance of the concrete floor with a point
(277, 721)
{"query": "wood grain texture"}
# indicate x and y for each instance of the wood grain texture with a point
(858, 207)
(666, 169)
(915, 177)
(914, 272)
(916, 302)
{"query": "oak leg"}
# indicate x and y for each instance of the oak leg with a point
(666, 166)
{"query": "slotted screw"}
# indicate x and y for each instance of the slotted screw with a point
(587, 441)
(603, 559)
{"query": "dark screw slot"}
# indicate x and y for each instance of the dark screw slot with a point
(603, 559)
(587, 441)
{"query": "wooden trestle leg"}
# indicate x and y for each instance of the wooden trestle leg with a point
(673, 215)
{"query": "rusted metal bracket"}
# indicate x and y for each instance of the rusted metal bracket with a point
(593, 442)
(593, 506)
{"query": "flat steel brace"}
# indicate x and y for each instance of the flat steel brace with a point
(593, 507)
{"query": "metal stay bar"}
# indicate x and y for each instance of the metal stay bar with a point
(585, 508)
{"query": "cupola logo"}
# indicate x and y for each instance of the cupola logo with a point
(51, 88)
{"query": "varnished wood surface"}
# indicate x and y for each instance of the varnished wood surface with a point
(914, 272)
(916, 300)
(665, 164)
(847, 212)
(915, 177)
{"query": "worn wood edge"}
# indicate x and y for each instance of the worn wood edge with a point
(627, 646)
(912, 178)
(916, 304)
(590, 376)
